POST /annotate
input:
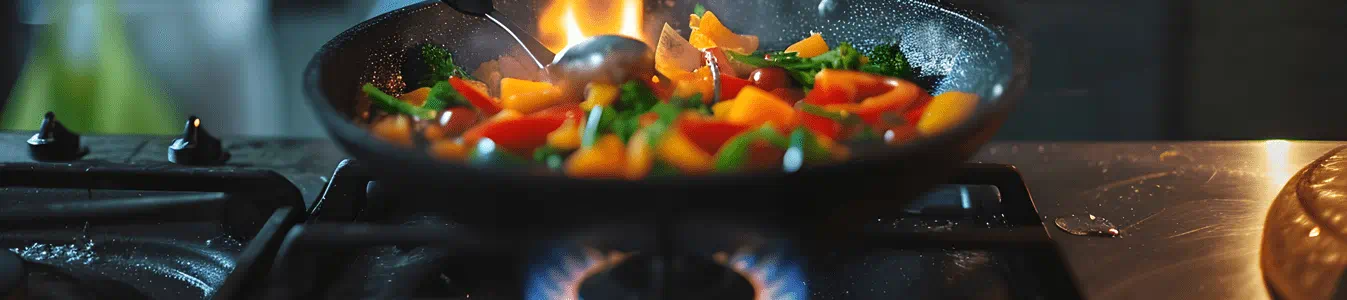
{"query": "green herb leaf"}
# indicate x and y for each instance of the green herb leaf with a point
(819, 111)
(485, 154)
(553, 158)
(844, 120)
(443, 96)
(659, 168)
(734, 154)
(441, 64)
(394, 105)
(844, 57)
(635, 96)
(804, 149)
(693, 102)
(699, 10)
(866, 135)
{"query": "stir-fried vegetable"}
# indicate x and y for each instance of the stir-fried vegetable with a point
(888, 60)
(784, 110)
(803, 69)
(441, 64)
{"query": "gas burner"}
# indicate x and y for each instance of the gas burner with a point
(122, 231)
(329, 257)
(594, 274)
(642, 277)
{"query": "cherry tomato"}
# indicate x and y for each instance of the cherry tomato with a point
(770, 78)
(789, 94)
(455, 120)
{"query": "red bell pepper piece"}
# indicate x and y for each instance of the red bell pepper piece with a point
(478, 98)
(568, 111)
(722, 61)
(820, 125)
(518, 136)
(914, 114)
(830, 94)
(710, 135)
(730, 87)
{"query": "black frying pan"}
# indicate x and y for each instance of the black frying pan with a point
(967, 50)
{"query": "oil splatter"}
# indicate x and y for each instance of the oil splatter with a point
(1088, 225)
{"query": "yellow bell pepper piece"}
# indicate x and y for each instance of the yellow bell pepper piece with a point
(639, 157)
(711, 33)
(503, 115)
(599, 94)
(394, 129)
(681, 153)
(945, 111)
(511, 86)
(754, 107)
(722, 109)
(532, 102)
(416, 97)
(448, 150)
(606, 159)
(812, 46)
(566, 137)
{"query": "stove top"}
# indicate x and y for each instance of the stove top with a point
(281, 217)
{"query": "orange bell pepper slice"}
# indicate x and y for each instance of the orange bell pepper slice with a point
(640, 158)
(812, 46)
(605, 159)
(754, 107)
(680, 152)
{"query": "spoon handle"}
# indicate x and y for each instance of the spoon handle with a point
(471, 7)
(540, 54)
(483, 8)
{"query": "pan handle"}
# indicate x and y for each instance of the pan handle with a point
(1016, 202)
(344, 197)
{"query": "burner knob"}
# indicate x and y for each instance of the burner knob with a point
(196, 147)
(53, 142)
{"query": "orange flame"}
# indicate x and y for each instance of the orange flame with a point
(568, 22)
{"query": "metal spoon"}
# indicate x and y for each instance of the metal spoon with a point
(609, 59)
(483, 8)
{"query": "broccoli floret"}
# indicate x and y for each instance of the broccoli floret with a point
(888, 60)
(441, 64)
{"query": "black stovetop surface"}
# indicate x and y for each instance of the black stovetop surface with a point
(1152, 191)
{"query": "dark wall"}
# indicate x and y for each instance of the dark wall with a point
(1204, 69)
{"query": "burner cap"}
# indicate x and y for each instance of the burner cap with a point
(11, 272)
(196, 146)
(693, 277)
(53, 142)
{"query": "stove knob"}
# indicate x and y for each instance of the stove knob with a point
(53, 142)
(196, 147)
